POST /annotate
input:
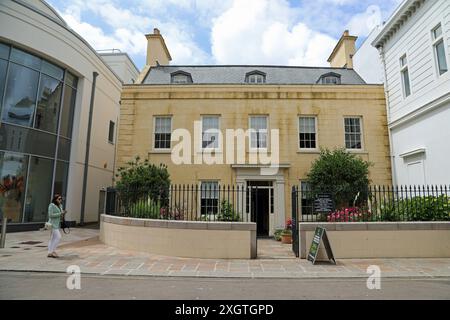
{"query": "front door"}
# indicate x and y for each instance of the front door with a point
(260, 205)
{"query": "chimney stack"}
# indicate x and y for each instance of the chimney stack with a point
(342, 55)
(157, 52)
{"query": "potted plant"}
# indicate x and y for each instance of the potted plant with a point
(286, 234)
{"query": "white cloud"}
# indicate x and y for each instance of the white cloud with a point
(363, 23)
(264, 32)
(128, 31)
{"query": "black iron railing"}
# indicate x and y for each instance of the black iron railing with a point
(185, 202)
(378, 203)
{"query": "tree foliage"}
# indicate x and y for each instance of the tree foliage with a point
(142, 179)
(342, 174)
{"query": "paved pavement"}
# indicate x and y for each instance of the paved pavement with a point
(82, 248)
(43, 286)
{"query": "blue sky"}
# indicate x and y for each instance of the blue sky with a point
(279, 32)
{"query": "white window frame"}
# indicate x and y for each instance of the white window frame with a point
(201, 182)
(435, 41)
(403, 69)
(219, 137)
(315, 129)
(253, 149)
(361, 127)
(154, 132)
(255, 77)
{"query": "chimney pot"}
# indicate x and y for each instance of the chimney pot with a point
(156, 31)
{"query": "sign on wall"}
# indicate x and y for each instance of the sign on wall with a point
(323, 203)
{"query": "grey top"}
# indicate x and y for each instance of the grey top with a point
(233, 74)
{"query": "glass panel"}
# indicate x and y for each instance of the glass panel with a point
(23, 140)
(26, 59)
(4, 51)
(210, 134)
(39, 189)
(64, 149)
(20, 100)
(437, 32)
(3, 67)
(442, 61)
(67, 112)
(52, 70)
(111, 132)
(48, 104)
(406, 84)
(61, 176)
(13, 172)
(71, 80)
(162, 132)
(209, 198)
(403, 61)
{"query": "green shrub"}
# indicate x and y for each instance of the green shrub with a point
(429, 208)
(141, 179)
(227, 212)
(144, 209)
(342, 174)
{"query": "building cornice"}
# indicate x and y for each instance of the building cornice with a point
(396, 21)
(322, 92)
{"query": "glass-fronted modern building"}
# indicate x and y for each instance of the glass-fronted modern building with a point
(37, 105)
(59, 110)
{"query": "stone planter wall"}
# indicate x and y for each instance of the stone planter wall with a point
(380, 239)
(216, 240)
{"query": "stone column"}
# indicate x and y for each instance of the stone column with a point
(279, 202)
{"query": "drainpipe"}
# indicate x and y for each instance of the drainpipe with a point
(386, 91)
(88, 147)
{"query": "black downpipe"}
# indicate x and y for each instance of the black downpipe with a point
(88, 147)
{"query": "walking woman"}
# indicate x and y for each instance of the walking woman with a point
(55, 212)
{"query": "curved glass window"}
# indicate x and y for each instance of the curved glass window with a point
(4, 51)
(13, 172)
(35, 97)
(25, 59)
(47, 110)
(39, 189)
(20, 95)
(67, 112)
(24, 140)
(3, 67)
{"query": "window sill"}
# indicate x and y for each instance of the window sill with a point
(162, 151)
(262, 150)
(111, 143)
(308, 151)
(356, 151)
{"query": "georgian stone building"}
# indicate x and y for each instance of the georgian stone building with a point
(308, 107)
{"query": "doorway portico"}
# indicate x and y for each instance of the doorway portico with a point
(270, 200)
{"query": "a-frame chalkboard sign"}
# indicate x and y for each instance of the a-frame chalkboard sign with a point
(320, 235)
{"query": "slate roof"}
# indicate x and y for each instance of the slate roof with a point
(233, 74)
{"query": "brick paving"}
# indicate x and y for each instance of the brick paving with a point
(275, 260)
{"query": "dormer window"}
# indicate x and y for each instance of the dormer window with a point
(180, 77)
(255, 77)
(330, 78)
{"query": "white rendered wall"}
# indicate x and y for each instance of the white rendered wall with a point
(431, 132)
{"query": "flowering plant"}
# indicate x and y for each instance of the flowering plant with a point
(288, 228)
(353, 214)
(288, 224)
